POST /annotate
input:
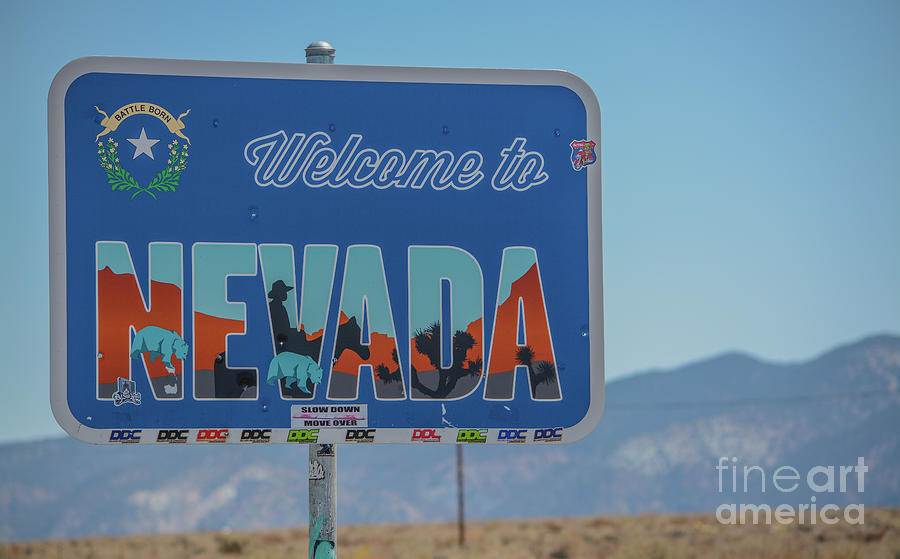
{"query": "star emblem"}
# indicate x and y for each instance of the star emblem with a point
(142, 145)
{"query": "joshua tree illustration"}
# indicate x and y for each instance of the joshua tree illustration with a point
(383, 373)
(428, 343)
(539, 372)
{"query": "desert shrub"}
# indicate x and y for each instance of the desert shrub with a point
(230, 545)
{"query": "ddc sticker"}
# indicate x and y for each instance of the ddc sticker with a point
(472, 436)
(303, 436)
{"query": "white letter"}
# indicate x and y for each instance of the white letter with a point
(861, 470)
(860, 514)
(784, 514)
(720, 468)
(844, 471)
(731, 514)
(823, 512)
(811, 479)
(755, 510)
(762, 477)
(776, 477)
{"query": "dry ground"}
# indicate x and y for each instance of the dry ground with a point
(614, 537)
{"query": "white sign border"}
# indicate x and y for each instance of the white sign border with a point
(338, 72)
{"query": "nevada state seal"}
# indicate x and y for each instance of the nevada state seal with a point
(110, 156)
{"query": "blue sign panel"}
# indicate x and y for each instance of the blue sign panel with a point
(256, 253)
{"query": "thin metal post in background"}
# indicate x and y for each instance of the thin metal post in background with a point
(460, 491)
(322, 457)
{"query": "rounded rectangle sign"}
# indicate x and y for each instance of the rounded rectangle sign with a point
(250, 253)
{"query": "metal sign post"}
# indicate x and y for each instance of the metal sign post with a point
(322, 457)
(322, 501)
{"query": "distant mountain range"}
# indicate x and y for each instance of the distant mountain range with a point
(655, 450)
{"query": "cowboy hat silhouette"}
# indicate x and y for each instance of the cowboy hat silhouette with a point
(279, 290)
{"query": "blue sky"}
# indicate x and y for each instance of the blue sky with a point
(750, 153)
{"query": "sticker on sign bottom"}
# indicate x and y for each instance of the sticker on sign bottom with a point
(305, 416)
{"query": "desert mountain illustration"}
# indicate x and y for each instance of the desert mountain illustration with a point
(380, 354)
(536, 355)
(120, 309)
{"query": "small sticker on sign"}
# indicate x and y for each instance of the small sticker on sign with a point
(127, 392)
(316, 470)
(582, 153)
(347, 415)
